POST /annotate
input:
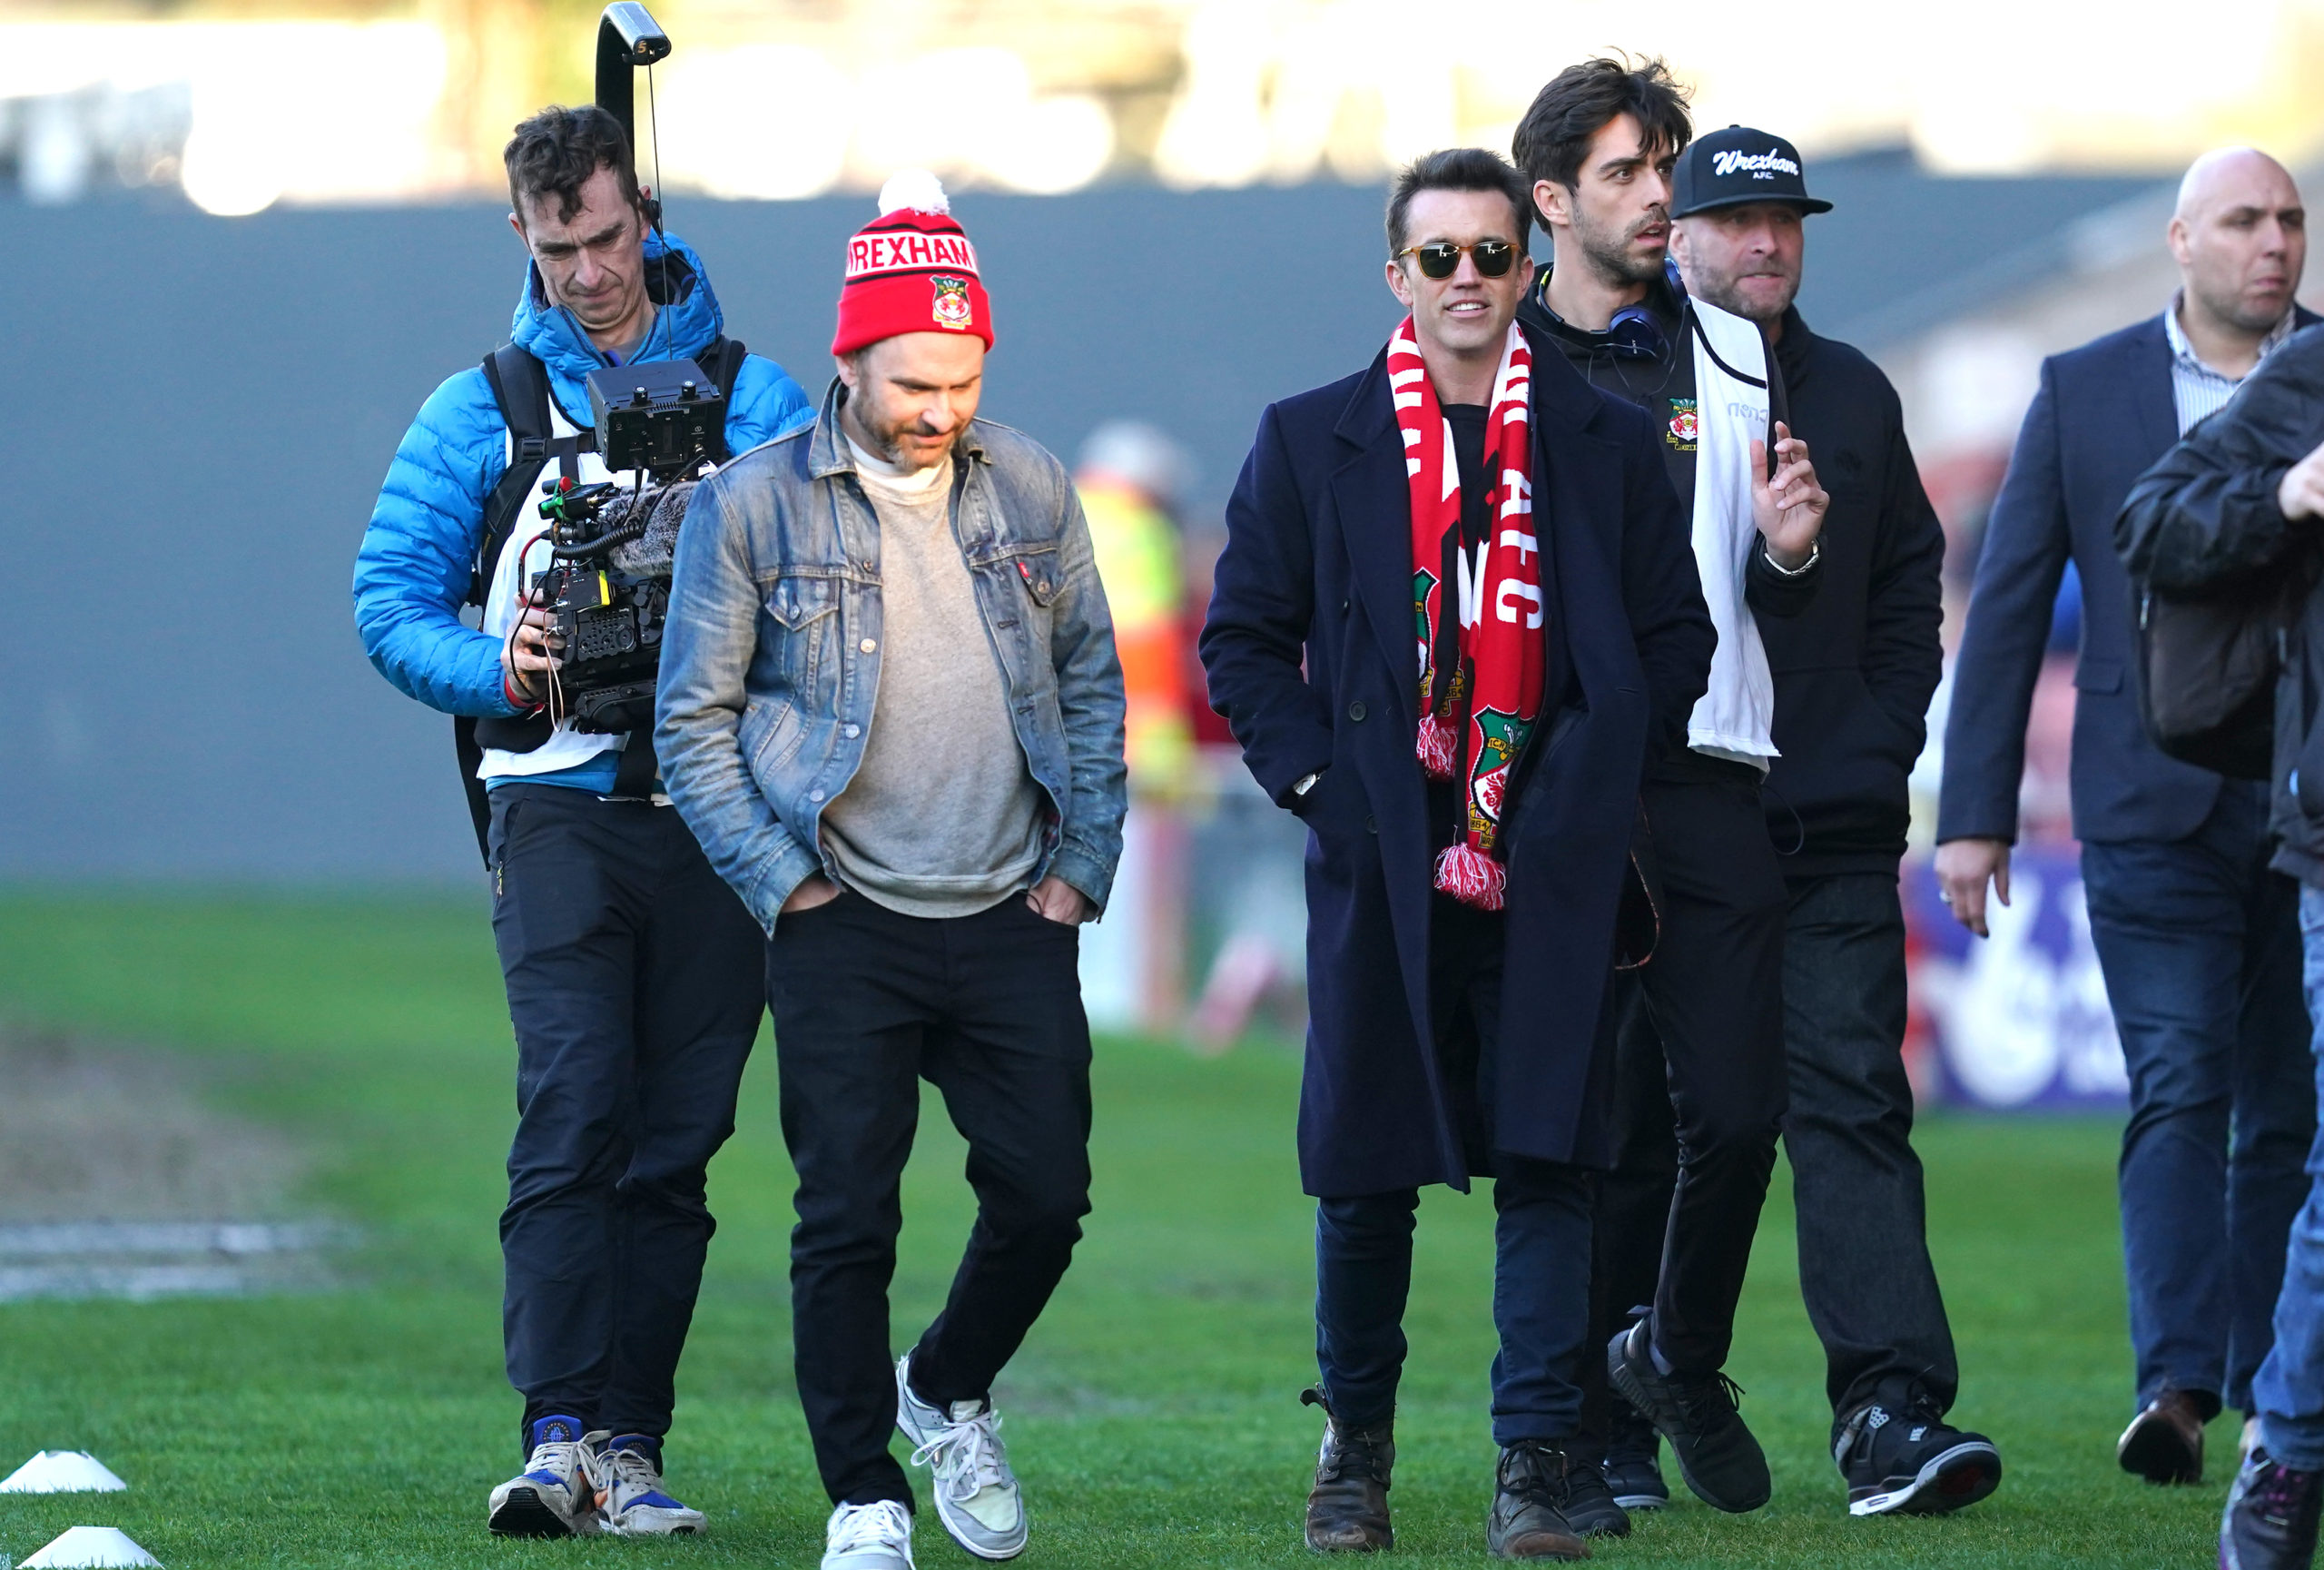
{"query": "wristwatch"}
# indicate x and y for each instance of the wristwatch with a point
(1814, 550)
(1306, 783)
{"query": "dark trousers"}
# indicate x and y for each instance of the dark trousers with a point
(1700, 1084)
(631, 973)
(1864, 1267)
(2200, 944)
(988, 1009)
(1364, 1244)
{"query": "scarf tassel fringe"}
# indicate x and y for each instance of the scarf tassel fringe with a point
(1439, 747)
(1471, 876)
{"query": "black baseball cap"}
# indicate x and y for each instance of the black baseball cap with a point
(1728, 168)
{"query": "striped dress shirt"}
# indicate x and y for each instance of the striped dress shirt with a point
(2196, 388)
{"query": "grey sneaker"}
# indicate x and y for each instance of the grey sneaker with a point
(876, 1536)
(977, 1497)
(630, 1497)
(556, 1495)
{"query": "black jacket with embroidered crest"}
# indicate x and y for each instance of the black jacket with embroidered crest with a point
(1311, 654)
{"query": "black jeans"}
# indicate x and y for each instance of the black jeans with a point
(988, 1009)
(631, 975)
(1864, 1267)
(1541, 1295)
(1699, 1083)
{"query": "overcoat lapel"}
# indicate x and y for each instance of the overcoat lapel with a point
(1373, 491)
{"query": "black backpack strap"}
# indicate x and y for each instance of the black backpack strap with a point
(519, 384)
(471, 758)
(634, 774)
(724, 360)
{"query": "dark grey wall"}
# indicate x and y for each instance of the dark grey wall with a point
(198, 412)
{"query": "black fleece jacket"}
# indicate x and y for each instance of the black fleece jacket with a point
(1854, 670)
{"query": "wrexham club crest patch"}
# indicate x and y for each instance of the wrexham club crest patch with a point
(1683, 432)
(1503, 735)
(952, 303)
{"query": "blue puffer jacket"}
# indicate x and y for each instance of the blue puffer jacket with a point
(412, 572)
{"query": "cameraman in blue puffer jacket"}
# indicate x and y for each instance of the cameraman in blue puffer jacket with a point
(632, 971)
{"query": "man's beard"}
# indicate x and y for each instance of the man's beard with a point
(888, 443)
(883, 438)
(1609, 255)
(1729, 296)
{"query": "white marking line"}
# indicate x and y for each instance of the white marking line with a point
(143, 1261)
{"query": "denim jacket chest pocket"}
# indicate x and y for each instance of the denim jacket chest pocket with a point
(1022, 583)
(802, 605)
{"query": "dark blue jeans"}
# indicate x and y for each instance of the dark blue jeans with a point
(633, 977)
(1541, 1289)
(2199, 943)
(2289, 1388)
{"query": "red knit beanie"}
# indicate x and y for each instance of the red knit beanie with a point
(911, 269)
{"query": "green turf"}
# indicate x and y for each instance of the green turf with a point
(1152, 1416)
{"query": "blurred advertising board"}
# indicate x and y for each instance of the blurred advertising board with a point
(2017, 1020)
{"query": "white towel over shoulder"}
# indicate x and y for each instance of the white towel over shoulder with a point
(1735, 717)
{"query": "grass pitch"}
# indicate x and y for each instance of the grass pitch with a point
(1152, 1414)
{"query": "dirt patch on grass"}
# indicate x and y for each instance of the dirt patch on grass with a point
(95, 1130)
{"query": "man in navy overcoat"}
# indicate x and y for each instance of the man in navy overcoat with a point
(1430, 1060)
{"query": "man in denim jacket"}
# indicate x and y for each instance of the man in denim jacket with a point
(891, 712)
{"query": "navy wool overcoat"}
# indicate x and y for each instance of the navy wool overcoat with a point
(1312, 658)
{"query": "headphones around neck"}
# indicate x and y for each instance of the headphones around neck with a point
(1633, 333)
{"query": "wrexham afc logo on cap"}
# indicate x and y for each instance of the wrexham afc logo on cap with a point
(951, 309)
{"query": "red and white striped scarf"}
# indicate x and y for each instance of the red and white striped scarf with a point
(1496, 692)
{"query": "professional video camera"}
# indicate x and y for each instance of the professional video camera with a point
(608, 590)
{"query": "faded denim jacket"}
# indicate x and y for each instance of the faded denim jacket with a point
(771, 660)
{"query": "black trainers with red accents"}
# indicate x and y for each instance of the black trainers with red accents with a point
(1909, 1463)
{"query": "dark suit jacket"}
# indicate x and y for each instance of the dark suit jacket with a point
(2103, 415)
(1311, 657)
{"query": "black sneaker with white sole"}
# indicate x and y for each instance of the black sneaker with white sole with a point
(1590, 1506)
(1908, 1463)
(1633, 1467)
(1717, 1455)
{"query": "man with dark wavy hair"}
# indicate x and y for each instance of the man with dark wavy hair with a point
(1703, 1025)
(632, 971)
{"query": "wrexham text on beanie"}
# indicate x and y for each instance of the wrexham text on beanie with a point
(911, 269)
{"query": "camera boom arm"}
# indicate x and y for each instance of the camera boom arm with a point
(628, 37)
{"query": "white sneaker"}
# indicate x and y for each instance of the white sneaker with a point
(630, 1498)
(876, 1536)
(977, 1497)
(556, 1495)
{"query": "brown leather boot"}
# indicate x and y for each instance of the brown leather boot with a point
(2164, 1444)
(1347, 1509)
(1534, 1489)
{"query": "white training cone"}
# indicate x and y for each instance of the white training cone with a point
(91, 1545)
(62, 1472)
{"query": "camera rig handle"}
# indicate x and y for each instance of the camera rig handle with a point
(628, 37)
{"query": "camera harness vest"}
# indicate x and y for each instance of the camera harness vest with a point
(539, 435)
